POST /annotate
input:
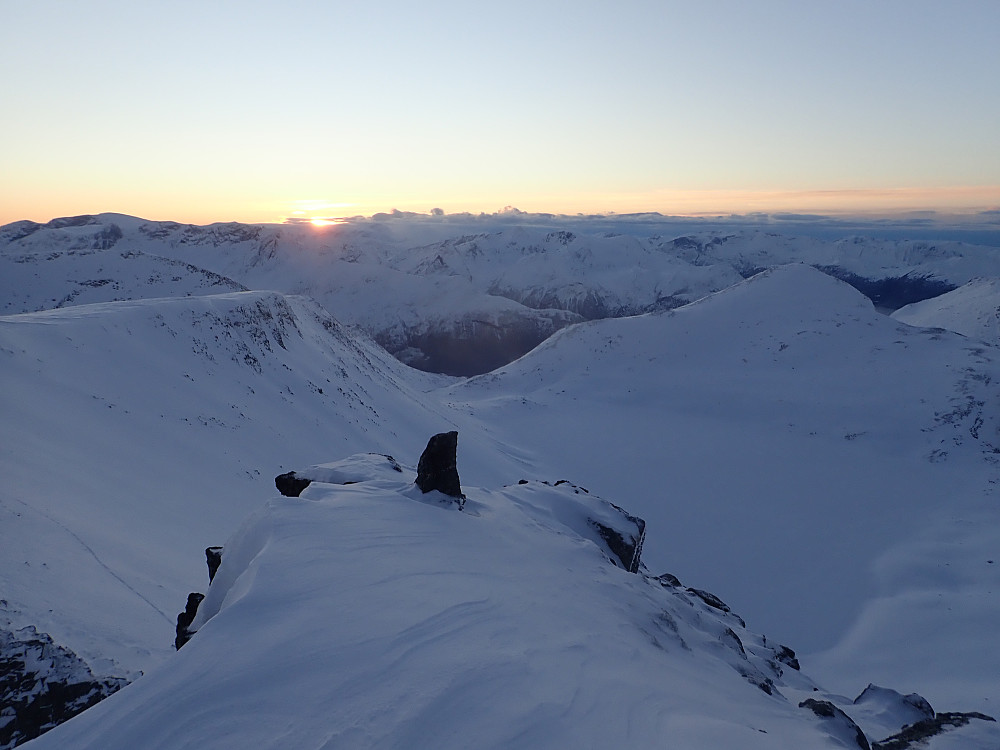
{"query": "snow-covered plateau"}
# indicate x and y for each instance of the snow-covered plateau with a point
(826, 470)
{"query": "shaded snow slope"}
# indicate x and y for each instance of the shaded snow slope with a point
(135, 434)
(972, 310)
(370, 615)
(818, 465)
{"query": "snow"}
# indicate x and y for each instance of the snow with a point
(491, 630)
(828, 471)
(972, 310)
(785, 443)
(138, 433)
(408, 281)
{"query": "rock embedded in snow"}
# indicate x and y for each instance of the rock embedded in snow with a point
(213, 556)
(626, 544)
(363, 467)
(185, 618)
(438, 466)
(839, 724)
(917, 735)
(895, 708)
(290, 485)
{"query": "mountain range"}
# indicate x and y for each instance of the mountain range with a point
(825, 469)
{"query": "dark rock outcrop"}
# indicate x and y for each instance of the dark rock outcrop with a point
(716, 603)
(438, 466)
(42, 685)
(786, 656)
(914, 735)
(213, 556)
(627, 546)
(892, 292)
(185, 618)
(290, 485)
(839, 723)
(669, 580)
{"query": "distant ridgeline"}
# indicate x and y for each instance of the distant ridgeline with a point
(452, 296)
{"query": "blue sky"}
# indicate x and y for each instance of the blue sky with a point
(201, 111)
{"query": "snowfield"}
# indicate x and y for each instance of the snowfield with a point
(828, 471)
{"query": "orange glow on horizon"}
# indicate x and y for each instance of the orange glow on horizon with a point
(701, 202)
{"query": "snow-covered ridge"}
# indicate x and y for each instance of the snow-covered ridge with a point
(372, 615)
(448, 296)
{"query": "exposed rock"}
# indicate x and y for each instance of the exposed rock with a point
(625, 544)
(438, 466)
(716, 603)
(729, 637)
(669, 580)
(839, 724)
(42, 685)
(474, 344)
(915, 734)
(892, 292)
(185, 618)
(786, 656)
(289, 485)
(615, 531)
(213, 556)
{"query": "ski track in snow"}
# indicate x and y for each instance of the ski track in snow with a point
(97, 559)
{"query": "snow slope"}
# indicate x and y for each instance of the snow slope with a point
(135, 434)
(821, 467)
(369, 615)
(972, 310)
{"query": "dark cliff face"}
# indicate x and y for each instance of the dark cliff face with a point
(892, 293)
(43, 684)
(472, 347)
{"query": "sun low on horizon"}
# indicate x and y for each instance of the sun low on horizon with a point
(217, 112)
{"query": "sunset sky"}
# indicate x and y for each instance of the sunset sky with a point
(258, 111)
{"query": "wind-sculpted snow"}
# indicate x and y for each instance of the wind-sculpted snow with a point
(372, 615)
